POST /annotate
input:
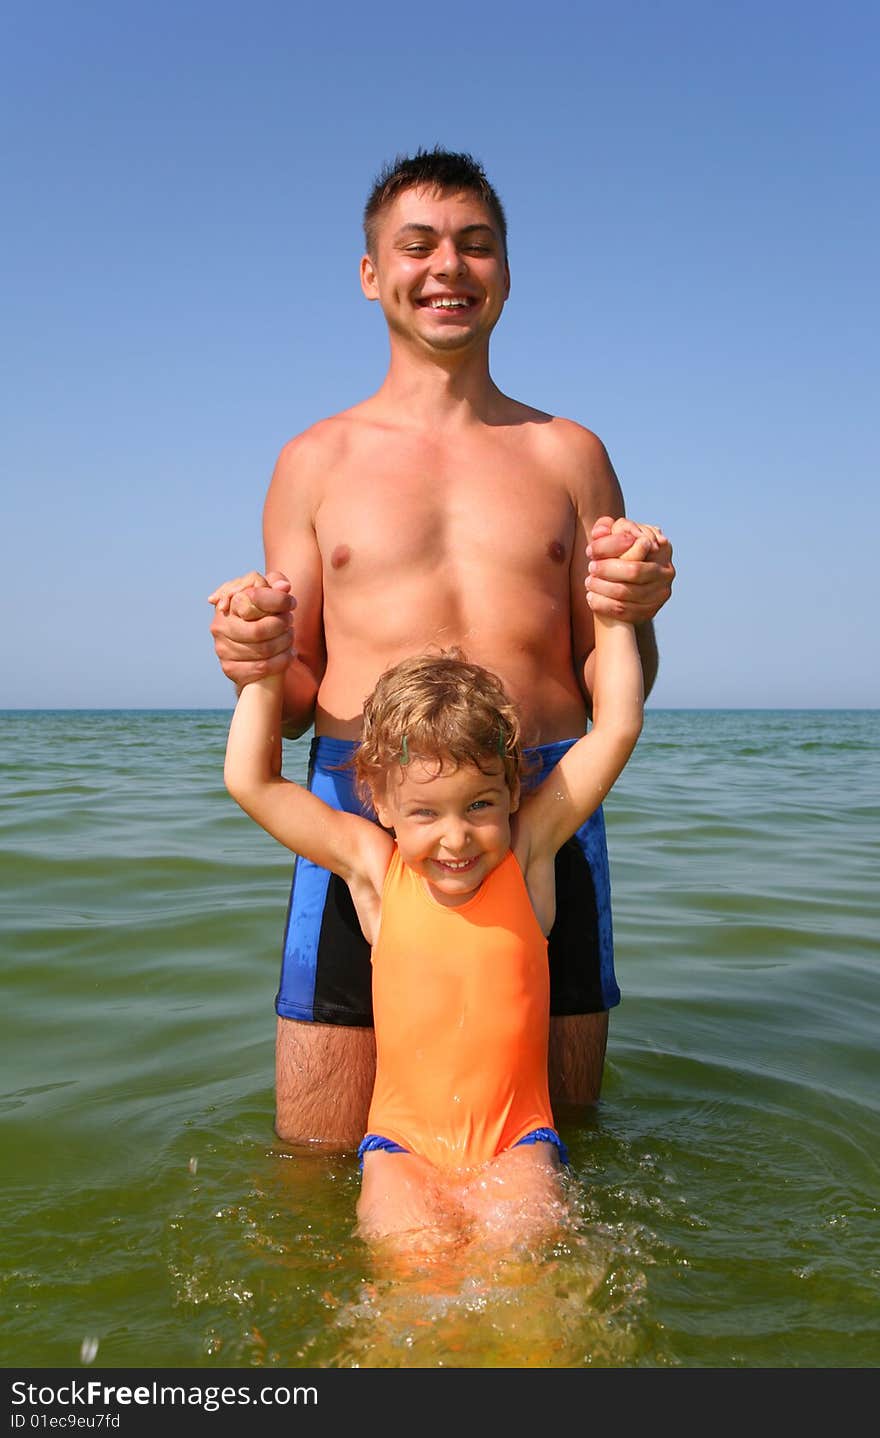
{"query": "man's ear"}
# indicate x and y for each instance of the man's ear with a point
(369, 278)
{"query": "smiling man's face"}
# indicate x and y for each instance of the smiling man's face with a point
(439, 270)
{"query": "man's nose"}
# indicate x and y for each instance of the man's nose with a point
(448, 260)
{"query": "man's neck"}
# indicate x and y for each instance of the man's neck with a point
(435, 392)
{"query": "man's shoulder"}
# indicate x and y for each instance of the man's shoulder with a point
(575, 440)
(562, 446)
(578, 459)
(319, 442)
(553, 431)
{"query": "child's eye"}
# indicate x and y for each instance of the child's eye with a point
(481, 804)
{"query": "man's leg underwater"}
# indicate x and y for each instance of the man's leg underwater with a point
(577, 1060)
(325, 1051)
(323, 1083)
(583, 986)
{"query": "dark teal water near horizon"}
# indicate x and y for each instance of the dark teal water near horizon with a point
(724, 1193)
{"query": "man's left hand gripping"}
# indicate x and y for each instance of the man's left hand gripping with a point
(630, 589)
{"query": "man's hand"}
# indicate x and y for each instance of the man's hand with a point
(253, 626)
(628, 588)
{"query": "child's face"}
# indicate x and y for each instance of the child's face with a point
(453, 828)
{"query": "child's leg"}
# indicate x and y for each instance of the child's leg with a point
(517, 1198)
(404, 1202)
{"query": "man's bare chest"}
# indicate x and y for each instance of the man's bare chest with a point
(428, 514)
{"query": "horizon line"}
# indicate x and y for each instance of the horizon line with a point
(229, 709)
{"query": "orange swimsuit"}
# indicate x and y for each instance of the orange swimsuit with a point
(461, 1000)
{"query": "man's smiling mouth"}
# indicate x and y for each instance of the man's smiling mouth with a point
(444, 302)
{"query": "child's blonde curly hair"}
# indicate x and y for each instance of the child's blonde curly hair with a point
(441, 708)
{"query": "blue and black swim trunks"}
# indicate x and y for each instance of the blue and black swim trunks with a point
(325, 967)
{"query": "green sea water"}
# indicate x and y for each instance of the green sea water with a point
(724, 1194)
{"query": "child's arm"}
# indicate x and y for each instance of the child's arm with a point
(350, 846)
(584, 775)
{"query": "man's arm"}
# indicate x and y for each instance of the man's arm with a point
(629, 589)
(253, 637)
(291, 545)
(617, 589)
(646, 642)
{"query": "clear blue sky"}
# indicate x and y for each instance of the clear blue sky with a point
(692, 195)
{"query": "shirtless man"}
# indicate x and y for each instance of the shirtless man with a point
(439, 511)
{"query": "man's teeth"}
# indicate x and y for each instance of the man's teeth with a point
(448, 304)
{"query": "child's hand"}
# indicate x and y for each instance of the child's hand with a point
(646, 538)
(631, 530)
(224, 594)
(631, 570)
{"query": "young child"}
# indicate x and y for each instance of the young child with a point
(456, 895)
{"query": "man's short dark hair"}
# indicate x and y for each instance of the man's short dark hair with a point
(431, 169)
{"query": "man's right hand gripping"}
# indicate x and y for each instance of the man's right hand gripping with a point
(253, 626)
